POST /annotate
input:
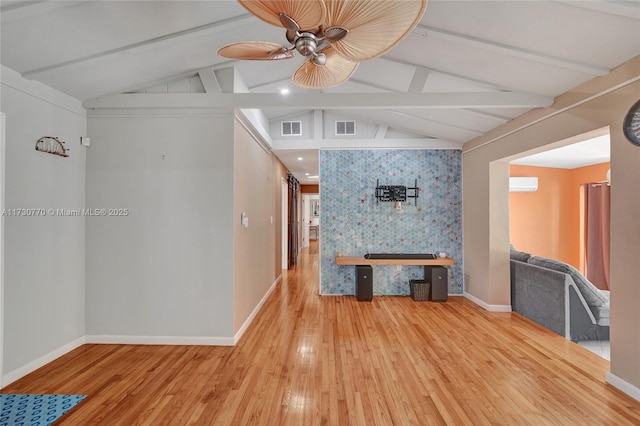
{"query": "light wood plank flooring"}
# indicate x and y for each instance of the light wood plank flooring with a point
(311, 360)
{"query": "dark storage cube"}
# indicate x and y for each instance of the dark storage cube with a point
(364, 282)
(419, 289)
(439, 278)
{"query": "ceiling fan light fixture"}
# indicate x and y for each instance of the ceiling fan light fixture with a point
(320, 59)
(336, 71)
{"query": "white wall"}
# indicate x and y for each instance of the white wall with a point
(255, 245)
(44, 256)
(163, 273)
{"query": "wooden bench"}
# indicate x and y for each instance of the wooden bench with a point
(360, 260)
(434, 272)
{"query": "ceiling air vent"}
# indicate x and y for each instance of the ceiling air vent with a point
(291, 128)
(345, 127)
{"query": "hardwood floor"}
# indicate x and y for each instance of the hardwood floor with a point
(310, 360)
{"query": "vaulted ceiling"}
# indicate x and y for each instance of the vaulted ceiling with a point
(468, 67)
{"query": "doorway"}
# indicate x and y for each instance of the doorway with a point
(2, 163)
(549, 221)
(310, 218)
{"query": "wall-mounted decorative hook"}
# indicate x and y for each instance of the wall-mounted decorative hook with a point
(52, 145)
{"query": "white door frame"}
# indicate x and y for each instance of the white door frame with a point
(285, 223)
(306, 217)
(2, 168)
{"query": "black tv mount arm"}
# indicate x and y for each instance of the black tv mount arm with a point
(395, 193)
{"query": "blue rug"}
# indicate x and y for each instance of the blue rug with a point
(35, 410)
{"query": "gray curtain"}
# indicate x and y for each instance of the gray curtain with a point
(597, 199)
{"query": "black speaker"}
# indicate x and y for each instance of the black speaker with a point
(364, 282)
(438, 276)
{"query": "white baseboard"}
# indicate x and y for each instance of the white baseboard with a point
(238, 335)
(18, 373)
(159, 340)
(623, 385)
(486, 306)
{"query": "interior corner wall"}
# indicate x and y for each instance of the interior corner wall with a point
(607, 108)
(161, 272)
(254, 249)
(44, 249)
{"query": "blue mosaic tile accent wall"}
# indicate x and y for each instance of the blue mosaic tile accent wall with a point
(353, 223)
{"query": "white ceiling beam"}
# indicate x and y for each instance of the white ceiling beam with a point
(392, 100)
(626, 9)
(157, 41)
(351, 80)
(429, 70)
(323, 100)
(26, 9)
(176, 77)
(318, 124)
(209, 80)
(422, 126)
(512, 51)
(267, 83)
(492, 116)
(381, 132)
(368, 84)
(420, 76)
(400, 143)
(289, 115)
(486, 84)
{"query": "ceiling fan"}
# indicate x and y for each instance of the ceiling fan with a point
(335, 35)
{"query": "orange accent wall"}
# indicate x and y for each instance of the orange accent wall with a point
(547, 222)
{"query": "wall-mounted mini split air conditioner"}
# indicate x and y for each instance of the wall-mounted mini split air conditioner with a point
(523, 184)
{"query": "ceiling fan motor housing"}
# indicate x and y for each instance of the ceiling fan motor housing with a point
(306, 44)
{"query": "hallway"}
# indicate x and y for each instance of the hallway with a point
(310, 360)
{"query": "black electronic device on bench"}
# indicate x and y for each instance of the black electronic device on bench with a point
(400, 256)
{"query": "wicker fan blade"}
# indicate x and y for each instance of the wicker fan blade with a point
(307, 14)
(255, 50)
(336, 71)
(375, 26)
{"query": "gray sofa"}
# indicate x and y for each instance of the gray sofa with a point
(557, 296)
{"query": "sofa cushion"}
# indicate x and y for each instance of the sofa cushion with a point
(602, 314)
(519, 255)
(592, 295)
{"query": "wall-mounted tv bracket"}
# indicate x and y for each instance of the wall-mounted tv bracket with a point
(396, 193)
